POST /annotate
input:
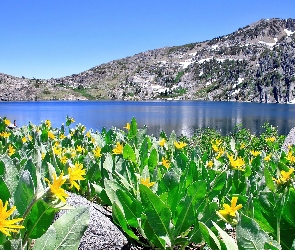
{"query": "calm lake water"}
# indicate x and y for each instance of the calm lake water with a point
(184, 117)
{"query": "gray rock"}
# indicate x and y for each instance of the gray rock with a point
(101, 232)
(290, 140)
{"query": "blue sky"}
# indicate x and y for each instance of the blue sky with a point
(55, 38)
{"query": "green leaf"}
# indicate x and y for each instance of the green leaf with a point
(228, 240)
(133, 129)
(4, 194)
(250, 236)
(153, 159)
(70, 228)
(131, 207)
(268, 179)
(108, 163)
(11, 174)
(66, 232)
(39, 219)
(209, 237)
(46, 241)
(128, 153)
(158, 215)
(24, 193)
(186, 217)
(121, 221)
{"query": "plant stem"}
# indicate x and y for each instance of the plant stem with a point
(278, 230)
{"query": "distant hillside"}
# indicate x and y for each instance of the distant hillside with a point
(255, 63)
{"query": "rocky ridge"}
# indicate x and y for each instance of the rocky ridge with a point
(254, 64)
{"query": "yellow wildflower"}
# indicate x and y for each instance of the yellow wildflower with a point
(290, 157)
(255, 153)
(97, 152)
(75, 174)
(24, 140)
(220, 152)
(92, 140)
(7, 122)
(30, 137)
(267, 158)
(43, 155)
(5, 134)
(88, 134)
(11, 150)
(64, 159)
(162, 142)
(127, 126)
(285, 176)
(146, 182)
(230, 209)
(270, 139)
(179, 145)
(236, 163)
(6, 225)
(51, 135)
(62, 136)
(48, 123)
(165, 163)
(210, 164)
(80, 149)
(55, 187)
(118, 149)
(215, 144)
(242, 146)
(56, 150)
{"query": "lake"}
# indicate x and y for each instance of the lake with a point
(184, 117)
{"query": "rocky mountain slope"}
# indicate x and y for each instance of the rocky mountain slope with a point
(255, 63)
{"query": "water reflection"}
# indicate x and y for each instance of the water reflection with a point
(184, 117)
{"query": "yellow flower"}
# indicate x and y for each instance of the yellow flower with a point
(7, 225)
(97, 152)
(80, 149)
(236, 163)
(255, 153)
(55, 187)
(30, 137)
(75, 174)
(51, 135)
(242, 146)
(62, 136)
(56, 150)
(290, 157)
(285, 176)
(162, 142)
(88, 134)
(92, 140)
(146, 182)
(270, 139)
(64, 159)
(215, 144)
(7, 122)
(210, 164)
(5, 134)
(127, 126)
(72, 120)
(165, 163)
(267, 158)
(179, 145)
(24, 140)
(11, 150)
(118, 149)
(43, 155)
(230, 209)
(220, 152)
(48, 123)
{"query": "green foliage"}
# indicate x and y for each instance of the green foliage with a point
(165, 192)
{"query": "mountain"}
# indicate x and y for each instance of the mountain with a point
(253, 64)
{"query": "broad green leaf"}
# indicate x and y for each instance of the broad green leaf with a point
(108, 163)
(218, 184)
(186, 217)
(153, 159)
(24, 193)
(39, 219)
(121, 221)
(11, 173)
(4, 194)
(131, 207)
(228, 240)
(133, 128)
(251, 236)
(128, 153)
(157, 213)
(268, 179)
(210, 238)
(70, 228)
(2, 168)
(47, 241)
